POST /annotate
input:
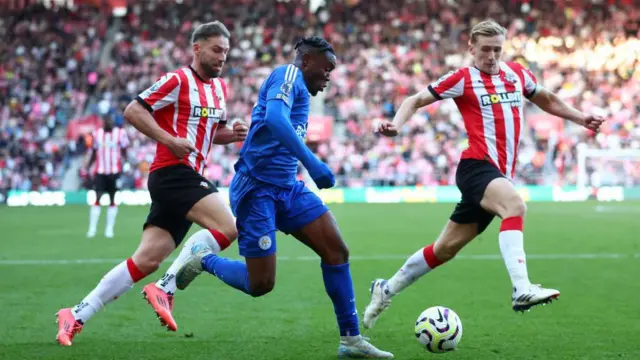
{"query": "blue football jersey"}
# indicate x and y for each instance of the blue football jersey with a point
(262, 156)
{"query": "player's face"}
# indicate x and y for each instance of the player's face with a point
(109, 123)
(317, 68)
(212, 53)
(486, 53)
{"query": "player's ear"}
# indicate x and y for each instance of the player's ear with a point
(306, 61)
(196, 48)
(471, 49)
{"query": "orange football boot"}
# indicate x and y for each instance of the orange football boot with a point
(162, 304)
(68, 327)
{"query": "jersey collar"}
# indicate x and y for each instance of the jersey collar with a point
(198, 75)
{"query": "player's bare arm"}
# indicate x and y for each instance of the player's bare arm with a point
(552, 104)
(409, 107)
(89, 159)
(227, 135)
(138, 116)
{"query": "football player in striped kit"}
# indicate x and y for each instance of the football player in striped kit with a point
(490, 97)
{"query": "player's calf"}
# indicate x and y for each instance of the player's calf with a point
(261, 275)
(261, 287)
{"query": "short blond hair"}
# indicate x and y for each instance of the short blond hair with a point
(487, 28)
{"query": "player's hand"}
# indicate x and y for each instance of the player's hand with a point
(240, 130)
(84, 173)
(593, 122)
(322, 176)
(181, 147)
(387, 128)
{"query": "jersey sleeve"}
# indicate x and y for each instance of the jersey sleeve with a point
(530, 84)
(282, 83)
(164, 92)
(449, 86)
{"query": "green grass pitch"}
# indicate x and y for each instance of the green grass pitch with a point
(590, 251)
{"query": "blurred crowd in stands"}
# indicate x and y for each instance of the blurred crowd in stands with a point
(62, 71)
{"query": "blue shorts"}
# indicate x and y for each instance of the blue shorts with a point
(262, 208)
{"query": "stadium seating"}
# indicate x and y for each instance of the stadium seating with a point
(60, 69)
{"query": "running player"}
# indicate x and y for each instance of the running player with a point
(182, 112)
(108, 152)
(265, 196)
(489, 96)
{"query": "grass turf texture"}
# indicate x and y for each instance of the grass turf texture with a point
(596, 317)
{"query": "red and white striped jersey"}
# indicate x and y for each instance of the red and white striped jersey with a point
(108, 146)
(492, 107)
(187, 106)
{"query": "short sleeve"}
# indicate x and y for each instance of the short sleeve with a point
(281, 85)
(449, 86)
(530, 83)
(164, 92)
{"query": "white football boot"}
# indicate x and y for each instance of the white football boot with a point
(524, 299)
(357, 347)
(380, 301)
(192, 266)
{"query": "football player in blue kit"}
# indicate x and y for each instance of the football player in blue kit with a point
(266, 196)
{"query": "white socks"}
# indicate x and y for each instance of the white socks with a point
(115, 283)
(511, 241)
(418, 264)
(168, 281)
(94, 216)
(112, 212)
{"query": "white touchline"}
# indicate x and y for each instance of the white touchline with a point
(7, 262)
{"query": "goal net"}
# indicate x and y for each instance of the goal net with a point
(607, 167)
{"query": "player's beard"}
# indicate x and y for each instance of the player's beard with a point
(210, 72)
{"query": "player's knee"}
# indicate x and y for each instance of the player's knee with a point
(337, 256)
(515, 207)
(262, 287)
(230, 232)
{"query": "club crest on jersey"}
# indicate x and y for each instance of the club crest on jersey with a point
(513, 98)
(510, 78)
(208, 112)
(286, 88)
(219, 94)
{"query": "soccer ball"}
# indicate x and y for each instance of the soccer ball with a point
(439, 329)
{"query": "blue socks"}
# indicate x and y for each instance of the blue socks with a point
(231, 272)
(339, 286)
(337, 283)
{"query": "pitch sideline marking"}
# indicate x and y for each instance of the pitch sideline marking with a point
(7, 262)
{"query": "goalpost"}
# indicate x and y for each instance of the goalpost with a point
(610, 165)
